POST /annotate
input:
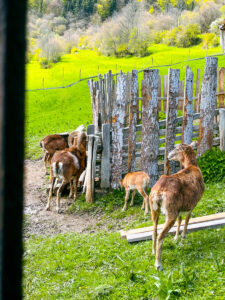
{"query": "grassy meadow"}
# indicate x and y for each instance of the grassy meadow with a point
(102, 266)
(62, 110)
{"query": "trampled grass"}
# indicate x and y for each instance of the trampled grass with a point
(63, 109)
(102, 266)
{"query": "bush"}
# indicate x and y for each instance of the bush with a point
(188, 36)
(122, 51)
(212, 165)
(74, 50)
(209, 40)
(44, 63)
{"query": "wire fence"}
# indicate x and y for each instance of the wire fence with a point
(115, 74)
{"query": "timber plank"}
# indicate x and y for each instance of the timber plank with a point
(191, 228)
(160, 226)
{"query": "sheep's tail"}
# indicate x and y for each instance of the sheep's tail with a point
(57, 169)
(157, 199)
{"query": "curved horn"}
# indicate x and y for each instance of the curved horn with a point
(75, 133)
(81, 140)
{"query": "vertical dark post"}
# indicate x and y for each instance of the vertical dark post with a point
(207, 105)
(171, 114)
(12, 85)
(197, 90)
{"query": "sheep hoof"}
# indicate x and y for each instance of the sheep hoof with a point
(59, 211)
(158, 267)
(47, 207)
(184, 236)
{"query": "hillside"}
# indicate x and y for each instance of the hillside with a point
(63, 109)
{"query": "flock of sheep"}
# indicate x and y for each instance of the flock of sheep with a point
(172, 195)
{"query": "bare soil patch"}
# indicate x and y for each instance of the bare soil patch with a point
(38, 221)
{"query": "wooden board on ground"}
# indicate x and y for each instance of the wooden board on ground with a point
(191, 228)
(148, 229)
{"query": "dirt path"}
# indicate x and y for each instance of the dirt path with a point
(38, 221)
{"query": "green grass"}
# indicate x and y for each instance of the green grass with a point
(102, 266)
(64, 109)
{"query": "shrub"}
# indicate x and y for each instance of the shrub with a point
(74, 50)
(209, 40)
(44, 63)
(212, 164)
(171, 37)
(122, 51)
(188, 36)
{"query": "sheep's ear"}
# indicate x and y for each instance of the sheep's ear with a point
(194, 144)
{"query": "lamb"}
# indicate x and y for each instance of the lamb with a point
(68, 165)
(136, 181)
(174, 195)
(54, 142)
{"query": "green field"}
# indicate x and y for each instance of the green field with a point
(62, 110)
(102, 266)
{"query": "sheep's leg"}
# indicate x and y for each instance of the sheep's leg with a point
(169, 223)
(179, 219)
(132, 199)
(75, 187)
(71, 189)
(59, 195)
(145, 199)
(45, 159)
(155, 219)
(186, 225)
(52, 182)
(126, 199)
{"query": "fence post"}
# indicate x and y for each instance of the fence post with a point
(197, 87)
(88, 179)
(117, 130)
(150, 124)
(222, 129)
(105, 161)
(188, 108)
(171, 114)
(132, 120)
(181, 95)
(90, 129)
(159, 94)
(208, 105)
(165, 84)
(221, 87)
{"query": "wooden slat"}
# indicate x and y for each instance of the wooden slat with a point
(221, 87)
(222, 129)
(105, 158)
(191, 228)
(117, 131)
(165, 84)
(171, 114)
(197, 89)
(159, 95)
(160, 226)
(187, 131)
(208, 105)
(132, 120)
(181, 95)
(150, 125)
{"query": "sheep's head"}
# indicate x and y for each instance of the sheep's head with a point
(183, 152)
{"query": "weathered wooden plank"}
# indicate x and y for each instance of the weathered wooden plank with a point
(188, 108)
(222, 129)
(93, 165)
(117, 130)
(221, 87)
(197, 89)
(159, 95)
(105, 159)
(132, 120)
(165, 85)
(150, 125)
(208, 105)
(89, 184)
(191, 228)
(181, 95)
(160, 226)
(171, 114)
(90, 129)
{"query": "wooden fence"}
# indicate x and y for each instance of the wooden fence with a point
(127, 134)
